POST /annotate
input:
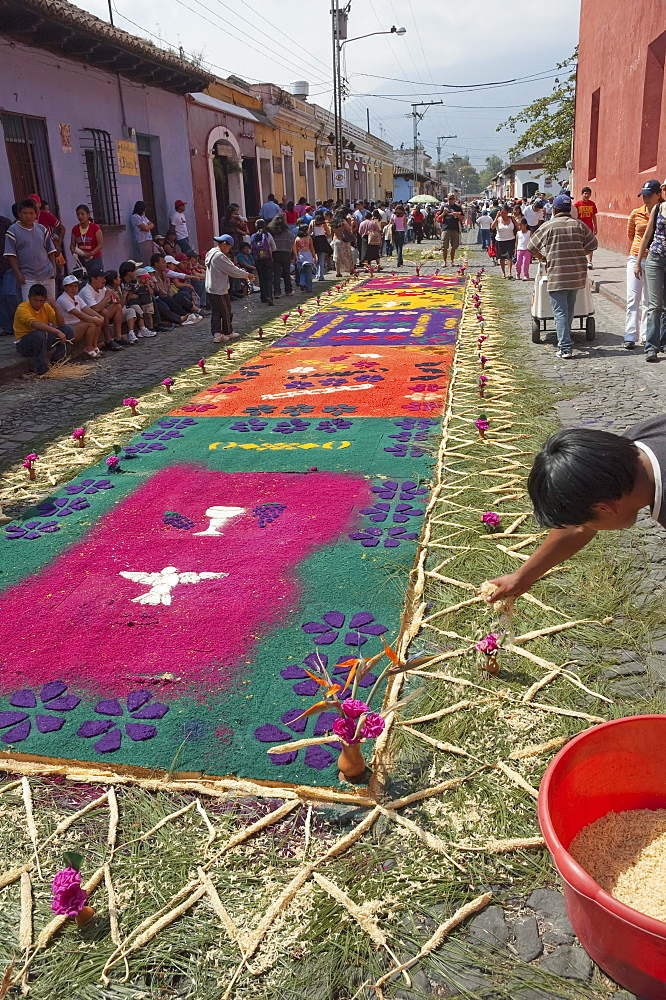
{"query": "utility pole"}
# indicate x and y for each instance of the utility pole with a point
(367, 111)
(417, 116)
(439, 153)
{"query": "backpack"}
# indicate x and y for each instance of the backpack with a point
(261, 248)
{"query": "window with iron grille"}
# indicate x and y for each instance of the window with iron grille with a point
(99, 157)
(27, 145)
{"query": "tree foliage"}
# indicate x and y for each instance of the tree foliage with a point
(548, 121)
(461, 174)
(493, 166)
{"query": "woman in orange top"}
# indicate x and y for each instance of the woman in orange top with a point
(635, 327)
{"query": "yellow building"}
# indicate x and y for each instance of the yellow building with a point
(247, 142)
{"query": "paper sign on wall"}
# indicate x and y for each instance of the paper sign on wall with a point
(128, 162)
(65, 137)
(340, 178)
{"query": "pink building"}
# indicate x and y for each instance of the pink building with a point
(620, 131)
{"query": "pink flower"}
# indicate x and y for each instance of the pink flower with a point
(491, 519)
(201, 363)
(482, 359)
(285, 317)
(79, 433)
(130, 401)
(167, 383)
(353, 708)
(113, 461)
(29, 459)
(345, 729)
(482, 423)
(488, 645)
(483, 379)
(69, 897)
(373, 725)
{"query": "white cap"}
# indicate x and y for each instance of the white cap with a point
(70, 280)
(171, 260)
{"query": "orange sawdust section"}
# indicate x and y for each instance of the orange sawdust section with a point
(386, 382)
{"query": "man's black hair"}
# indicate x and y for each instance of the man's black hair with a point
(576, 469)
(27, 203)
(155, 258)
(37, 290)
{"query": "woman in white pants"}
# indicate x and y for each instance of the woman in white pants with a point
(636, 319)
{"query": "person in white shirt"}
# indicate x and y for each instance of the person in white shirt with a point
(484, 222)
(85, 323)
(523, 256)
(105, 303)
(219, 268)
(534, 214)
(179, 223)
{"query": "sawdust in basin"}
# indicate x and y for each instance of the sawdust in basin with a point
(625, 853)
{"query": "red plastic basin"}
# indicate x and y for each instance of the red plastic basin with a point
(612, 767)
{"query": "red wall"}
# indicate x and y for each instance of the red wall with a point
(613, 58)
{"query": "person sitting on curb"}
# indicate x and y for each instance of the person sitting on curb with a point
(219, 268)
(100, 300)
(39, 330)
(585, 481)
(86, 324)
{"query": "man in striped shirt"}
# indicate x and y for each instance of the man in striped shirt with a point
(563, 243)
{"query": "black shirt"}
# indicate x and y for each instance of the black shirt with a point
(650, 436)
(449, 221)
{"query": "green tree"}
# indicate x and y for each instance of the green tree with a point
(493, 166)
(461, 174)
(548, 122)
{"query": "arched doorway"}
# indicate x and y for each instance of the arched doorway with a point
(530, 188)
(226, 173)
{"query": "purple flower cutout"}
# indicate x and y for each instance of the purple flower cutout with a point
(139, 706)
(296, 411)
(338, 410)
(268, 512)
(88, 486)
(290, 426)
(245, 426)
(361, 626)
(332, 426)
(257, 411)
(30, 529)
(17, 725)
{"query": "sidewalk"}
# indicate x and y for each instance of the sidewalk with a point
(609, 275)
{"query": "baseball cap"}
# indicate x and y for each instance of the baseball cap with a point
(149, 270)
(225, 238)
(96, 272)
(562, 201)
(171, 260)
(71, 279)
(140, 271)
(650, 187)
(35, 197)
(177, 203)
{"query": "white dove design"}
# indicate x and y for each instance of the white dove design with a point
(161, 584)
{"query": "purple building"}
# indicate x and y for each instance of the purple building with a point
(90, 114)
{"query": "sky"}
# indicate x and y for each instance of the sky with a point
(281, 41)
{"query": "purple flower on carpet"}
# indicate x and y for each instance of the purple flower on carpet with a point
(491, 519)
(69, 897)
(176, 520)
(346, 730)
(290, 426)
(113, 462)
(89, 486)
(362, 625)
(333, 382)
(299, 385)
(257, 411)
(353, 708)
(268, 512)
(30, 529)
(373, 725)
(139, 706)
(52, 698)
(245, 426)
(198, 407)
(331, 426)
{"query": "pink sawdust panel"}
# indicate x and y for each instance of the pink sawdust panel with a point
(143, 594)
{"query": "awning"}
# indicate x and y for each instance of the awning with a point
(226, 109)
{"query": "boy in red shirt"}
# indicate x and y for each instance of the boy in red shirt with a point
(587, 213)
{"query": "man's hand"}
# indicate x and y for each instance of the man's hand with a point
(19, 277)
(511, 585)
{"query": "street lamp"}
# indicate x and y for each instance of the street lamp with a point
(340, 16)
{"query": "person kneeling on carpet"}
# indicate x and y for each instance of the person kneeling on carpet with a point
(39, 329)
(219, 268)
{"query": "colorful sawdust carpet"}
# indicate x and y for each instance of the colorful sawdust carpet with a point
(165, 616)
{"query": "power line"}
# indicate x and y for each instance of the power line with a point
(471, 86)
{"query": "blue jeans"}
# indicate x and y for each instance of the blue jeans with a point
(563, 304)
(9, 300)
(387, 249)
(199, 286)
(321, 265)
(184, 244)
(37, 345)
(655, 278)
(485, 235)
(306, 277)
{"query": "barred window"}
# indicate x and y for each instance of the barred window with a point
(98, 153)
(27, 146)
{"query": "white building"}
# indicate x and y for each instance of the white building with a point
(524, 177)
